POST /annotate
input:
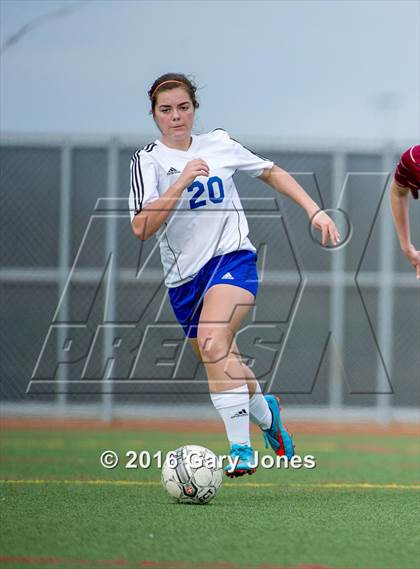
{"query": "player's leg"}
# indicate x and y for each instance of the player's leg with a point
(259, 410)
(263, 410)
(247, 372)
(184, 301)
(187, 302)
(224, 308)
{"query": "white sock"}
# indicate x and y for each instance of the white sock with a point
(259, 409)
(233, 407)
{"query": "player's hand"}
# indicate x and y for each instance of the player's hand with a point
(192, 170)
(326, 226)
(414, 257)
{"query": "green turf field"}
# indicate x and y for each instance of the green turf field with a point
(359, 508)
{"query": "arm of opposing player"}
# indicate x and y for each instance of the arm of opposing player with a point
(283, 182)
(399, 197)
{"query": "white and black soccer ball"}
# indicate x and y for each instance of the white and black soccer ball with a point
(192, 474)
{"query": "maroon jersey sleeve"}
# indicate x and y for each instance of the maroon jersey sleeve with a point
(407, 173)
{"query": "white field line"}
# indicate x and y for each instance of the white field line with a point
(320, 485)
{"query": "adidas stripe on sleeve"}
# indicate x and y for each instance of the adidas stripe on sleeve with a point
(143, 183)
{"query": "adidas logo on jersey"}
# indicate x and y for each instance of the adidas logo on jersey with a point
(172, 171)
(228, 276)
(241, 413)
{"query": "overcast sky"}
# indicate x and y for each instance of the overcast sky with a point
(298, 69)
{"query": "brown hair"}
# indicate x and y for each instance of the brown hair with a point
(172, 80)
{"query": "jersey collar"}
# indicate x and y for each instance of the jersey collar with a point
(193, 147)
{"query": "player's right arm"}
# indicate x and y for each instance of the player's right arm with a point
(149, 218)
(399, 197)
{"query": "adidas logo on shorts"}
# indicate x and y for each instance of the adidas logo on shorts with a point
(172, 171)
(228, 276)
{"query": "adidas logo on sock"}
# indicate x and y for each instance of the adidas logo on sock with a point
(228, 276)
(241, 413)
(172, 171)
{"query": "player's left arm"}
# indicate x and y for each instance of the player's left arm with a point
(283, 182)
(399, 199)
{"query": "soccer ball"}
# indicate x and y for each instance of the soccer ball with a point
(192, 474)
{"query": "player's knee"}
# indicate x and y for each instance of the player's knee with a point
(214, 344)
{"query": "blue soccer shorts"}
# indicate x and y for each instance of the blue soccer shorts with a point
(238, 268)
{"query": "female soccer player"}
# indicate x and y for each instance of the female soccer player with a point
(406, 179)
(182, 191)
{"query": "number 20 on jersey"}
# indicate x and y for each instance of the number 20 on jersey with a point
(215, 192)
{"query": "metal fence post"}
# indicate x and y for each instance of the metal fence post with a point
(337, 295)
(63, 267)
(385, 296)
(109, 310)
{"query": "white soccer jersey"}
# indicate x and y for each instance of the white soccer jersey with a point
(208, 219)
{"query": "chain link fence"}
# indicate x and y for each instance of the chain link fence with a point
(86, 317)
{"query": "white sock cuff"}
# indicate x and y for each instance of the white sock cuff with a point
(257, 391)
(231, 397)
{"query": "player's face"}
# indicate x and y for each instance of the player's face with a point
(174, 115)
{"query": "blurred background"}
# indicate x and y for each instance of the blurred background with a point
(328, 90)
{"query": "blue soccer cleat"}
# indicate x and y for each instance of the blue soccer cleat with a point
(245, 461)
(277, 436)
